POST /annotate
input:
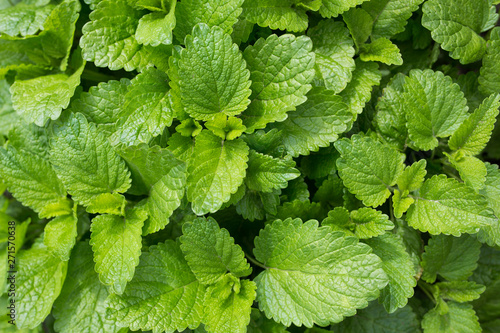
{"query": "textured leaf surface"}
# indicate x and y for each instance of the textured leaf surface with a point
(276, 14)
(282, 69)
(459, 318)
(81, 307)
(156, 28)
(215, 172)
(266, 173)
(370, 223)
(444, 205)
(86, 162)
(368, 168)
(382, 50)
(471, 169)
(307, 266)
(456, 25)
(220, 85)
(316, 123)
(452, 258)
(210, 251)
(491, 189)
(475, 132)
(435, 107)
(164, 294)
(332, 8)
(398, 266)
(221, 13)
(116, 242)
(60, 236)
(31, 180)
(39, 280)
(460, 291)
(334, 55)
(490, 71)
(23, 19)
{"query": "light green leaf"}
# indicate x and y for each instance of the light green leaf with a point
(435, 107)
(181, 146)
(475, 132)
(42, 98)
(401, 203)
(221, 13)
(8, 117)
(147, 109)
(358, 91)
(39, 280)
(375, 319)
(450, 257)
(189, 127)
(23, 19)
(215, 172)
(259, 323)
(412, 177)
(491, 189)
(460, 291)
(368, 168)
(224, 127)
(332, 8)
(316, 123)
(210, 251)
(282, 69)
(108, 203)
(228, 304)
(266, 173)
(31, 179)
(456, 25)
(164, 295)
(398, 266)
(116, 242)
(307, 266)
(86, 162)
(276, 14)
(217, 86)
(382, 50)
(471, 169)
(360, 25)
(460, 318)
(156, 28)
(60, 236)
(102, 103)
(334, 55)
(370, 223)
(489, 80)
(444, 205)
(81, 307)
(390, 16)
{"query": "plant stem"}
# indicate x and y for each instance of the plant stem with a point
(254, 261)
(426, 289)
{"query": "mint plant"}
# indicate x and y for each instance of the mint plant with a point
(249, 166)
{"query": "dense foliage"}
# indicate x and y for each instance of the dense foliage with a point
(250, 165)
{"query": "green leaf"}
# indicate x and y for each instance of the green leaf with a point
(370, 223)
(368, 168)
(390, 16)
(42, 98)
(281, 70)
(86, 162)
(108, 203)
(276, 14)
(460, 291)
(189, 127)
(224, 127)
(266, 174)
(39, 280)
(375, 319)
(8, 117)
(358, 91)
(147, 109)
(459, 318)
(307, 266)
(210, 251)
(434, 105)
(221, 13)
(360, 25)
(412, 177)
(456, 25)
(472, 170)
(156, 28)
(316, 123)
(475, 132)
(332, 8)
(257, 205)
(444, 205)
(81, 307)
(452, 258)
(215, 172)
(23, 19)
(334, 55)
(398, 266)
(489, 80)
(217, 86)
(102, 103)
(31, 179)
(228, 305)
(259, 323)
(491, 189)
(382, 50)
(116, 242)
(164, 295)
(181, 147)
(60, 236)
